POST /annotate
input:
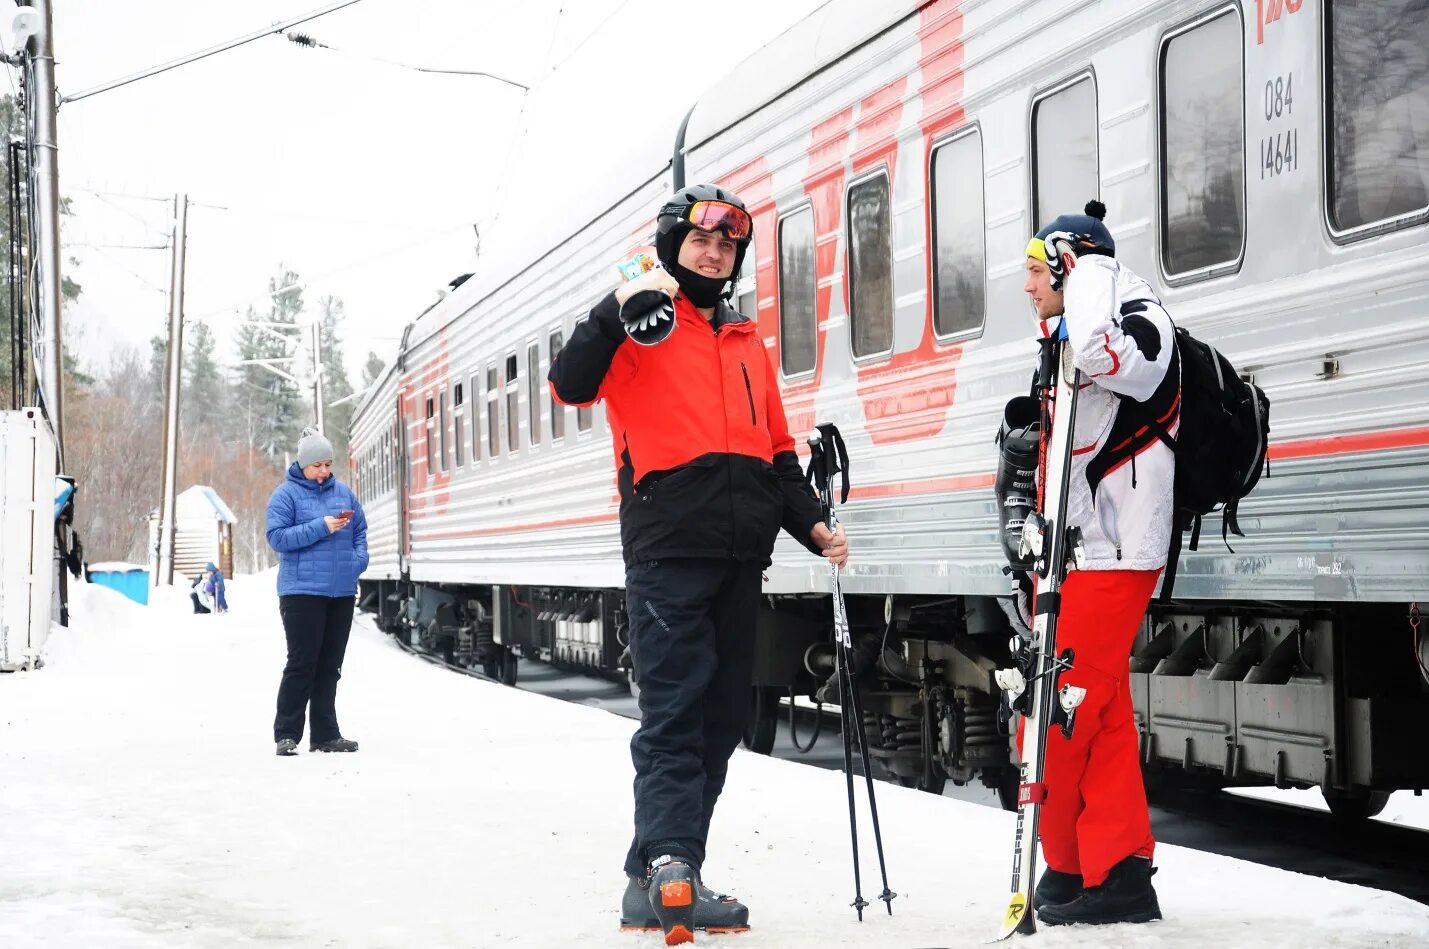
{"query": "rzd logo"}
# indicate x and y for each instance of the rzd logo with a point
(1268, 11)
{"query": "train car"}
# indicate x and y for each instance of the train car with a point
(1266, 167)
(379, 477)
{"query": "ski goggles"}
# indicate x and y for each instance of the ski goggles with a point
(714, 216)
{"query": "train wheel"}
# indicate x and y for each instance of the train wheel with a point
(763, 719)
(1357, 804)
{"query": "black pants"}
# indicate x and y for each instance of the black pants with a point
(692, 644)
(317, 628)
(198, 606)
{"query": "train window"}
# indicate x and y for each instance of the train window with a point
(1377, 72)
(493, 443)
(1064, 150)
(533, 390)
(558, 411)
(458, 428)
(1202, 147)
(513, 409)
(797, 321)
(746, 286)
(442, 455)
(475, 418)
(431, 412)
(870, 274)
(959, 247)
(584, 413)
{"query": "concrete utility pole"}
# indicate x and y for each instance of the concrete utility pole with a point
(318, 373)
(47, 219)
(164, 575)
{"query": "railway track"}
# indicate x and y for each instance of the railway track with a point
(1367, 853)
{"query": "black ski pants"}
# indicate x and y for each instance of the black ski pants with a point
(317, 629)
(692, 623)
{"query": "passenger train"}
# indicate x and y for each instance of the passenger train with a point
(1265, 164)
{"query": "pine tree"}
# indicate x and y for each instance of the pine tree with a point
(336, 385)
(372, 369)
(272, 406)
(202, 406)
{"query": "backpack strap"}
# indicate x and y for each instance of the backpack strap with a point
(1178, 528)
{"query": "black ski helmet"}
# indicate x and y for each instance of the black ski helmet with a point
(671, 225)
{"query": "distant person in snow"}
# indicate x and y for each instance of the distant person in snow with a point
(318, 529)
(208, 593)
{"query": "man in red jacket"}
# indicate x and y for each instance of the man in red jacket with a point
(707, 475)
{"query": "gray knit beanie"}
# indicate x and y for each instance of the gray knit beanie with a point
(312, 448)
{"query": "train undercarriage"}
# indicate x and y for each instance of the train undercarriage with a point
(1264, 694)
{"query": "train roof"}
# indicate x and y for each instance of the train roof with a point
(818, 41)
(547, 210)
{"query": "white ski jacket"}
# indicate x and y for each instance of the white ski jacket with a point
(1123, 465)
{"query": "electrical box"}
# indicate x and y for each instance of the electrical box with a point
(27, 536)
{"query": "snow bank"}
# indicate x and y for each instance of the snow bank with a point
(143, 806)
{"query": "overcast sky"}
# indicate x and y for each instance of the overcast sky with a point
(363, 177)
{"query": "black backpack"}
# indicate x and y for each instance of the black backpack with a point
(1220, 447)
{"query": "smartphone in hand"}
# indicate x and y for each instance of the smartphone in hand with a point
(344, 514)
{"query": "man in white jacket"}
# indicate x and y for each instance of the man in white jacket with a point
(1095, 831)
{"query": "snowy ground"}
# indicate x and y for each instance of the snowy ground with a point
(141, 805)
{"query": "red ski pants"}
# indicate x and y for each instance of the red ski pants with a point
(1095, 813)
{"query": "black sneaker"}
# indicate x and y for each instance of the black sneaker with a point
(672, 898)
(1055, 887)
(336, 744)
(714, 912)
(286, 747)
(1126, 896)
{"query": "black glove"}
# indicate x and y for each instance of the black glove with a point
(648, 316)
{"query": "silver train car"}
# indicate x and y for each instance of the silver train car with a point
(1265, 164)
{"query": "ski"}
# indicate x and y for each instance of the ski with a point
(1051, 542)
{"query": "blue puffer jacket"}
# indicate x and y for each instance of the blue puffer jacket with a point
(311, 560)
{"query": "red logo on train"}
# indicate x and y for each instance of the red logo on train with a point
(1268, 11)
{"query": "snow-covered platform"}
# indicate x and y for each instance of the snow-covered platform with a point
(141, 805)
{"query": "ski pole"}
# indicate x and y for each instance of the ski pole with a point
(826, 461)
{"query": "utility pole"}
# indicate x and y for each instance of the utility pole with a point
(164, 575)
(47, 219)
(317, 373)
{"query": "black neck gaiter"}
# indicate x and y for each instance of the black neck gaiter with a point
(702, 291)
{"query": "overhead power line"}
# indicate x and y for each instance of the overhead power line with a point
(303, 39)
(205, 53)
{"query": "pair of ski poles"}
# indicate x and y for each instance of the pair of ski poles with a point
(828, 457)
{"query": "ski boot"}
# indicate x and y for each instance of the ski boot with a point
(287, 747)
(671, 888)
(1125, 896)
(714, 912)
(1016, 485)
(335, 744)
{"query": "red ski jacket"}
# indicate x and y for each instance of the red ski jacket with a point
(704, 460)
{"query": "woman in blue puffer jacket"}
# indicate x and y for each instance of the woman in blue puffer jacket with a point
(316, 525)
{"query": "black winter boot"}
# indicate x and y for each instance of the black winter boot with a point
(672, 898)
(1126, 896)
(336, 744)
(1016, 487)
(714, 912)
(1055, 887)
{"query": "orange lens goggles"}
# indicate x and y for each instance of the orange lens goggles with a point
(720, 216)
